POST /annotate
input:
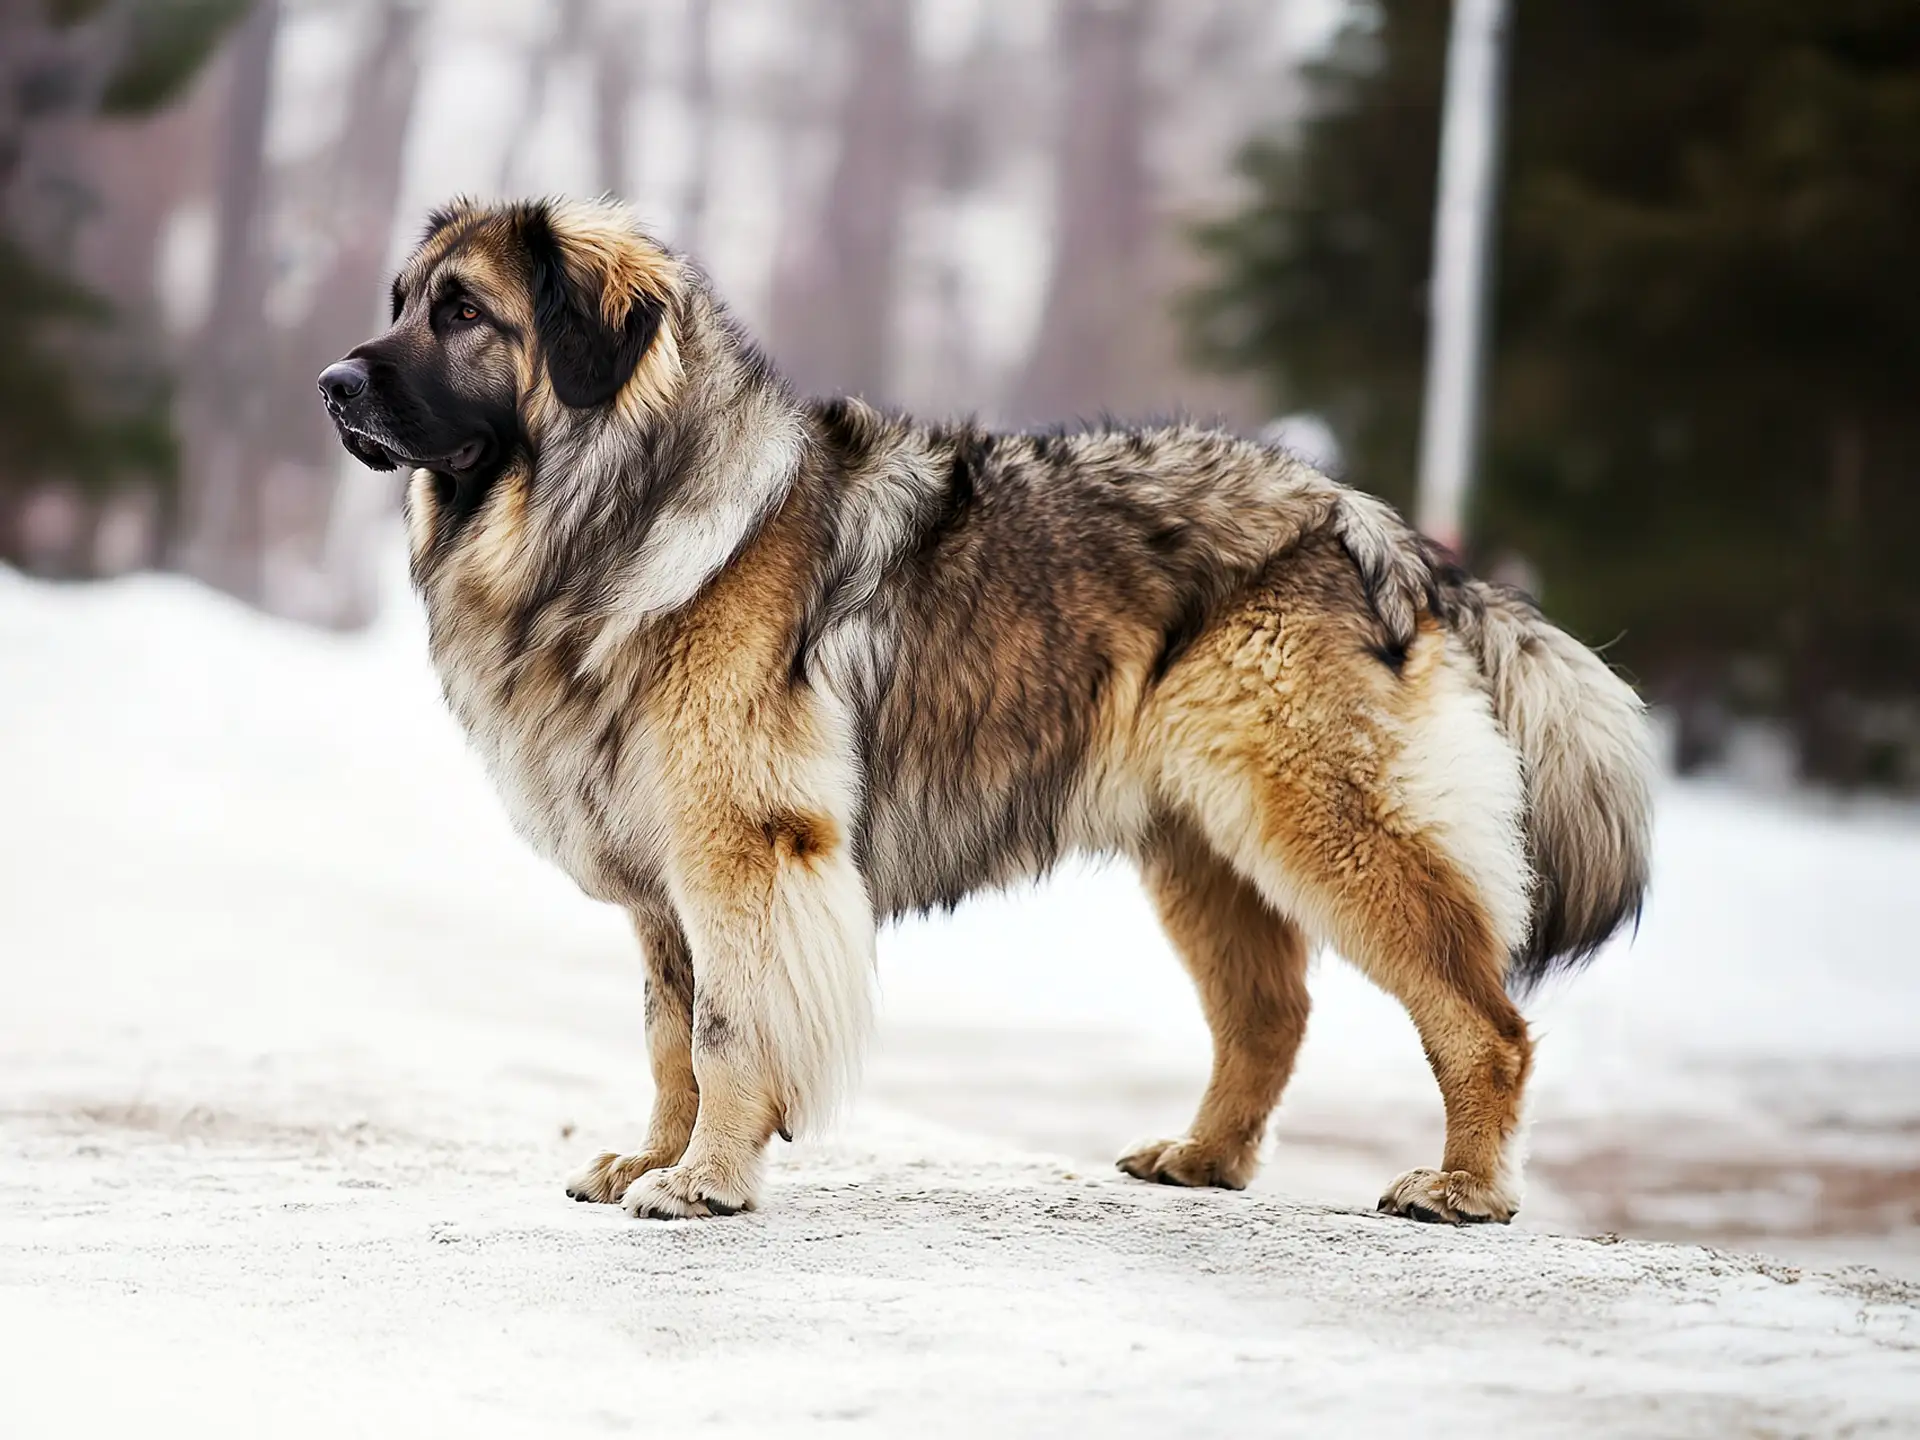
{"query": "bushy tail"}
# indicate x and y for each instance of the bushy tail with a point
(1583, 737)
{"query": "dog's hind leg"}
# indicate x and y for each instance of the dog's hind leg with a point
(1378, 806)
(1481, 1053)
(1249, 964)
(676, 1095)
(1400, 908)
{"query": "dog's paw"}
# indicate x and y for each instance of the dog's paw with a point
(605, 1178)
(1448, 1197)
(1188, 1162)
(691, 1188)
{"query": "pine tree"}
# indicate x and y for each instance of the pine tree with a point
(1701, 419)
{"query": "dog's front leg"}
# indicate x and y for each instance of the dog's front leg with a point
(676, 1097)
(782, 939)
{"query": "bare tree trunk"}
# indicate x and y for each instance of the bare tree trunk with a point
(613, 82)
(569, 36)
(1102, 216)
(221, 403)
(612, 77)
(263, 468)
(144, 170)
(315, 512)
(152, 170)
(834, 300)
(698, 93)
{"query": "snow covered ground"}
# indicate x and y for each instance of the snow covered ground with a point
(297, 1045)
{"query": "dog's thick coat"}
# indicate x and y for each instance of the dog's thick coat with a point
(767, 672)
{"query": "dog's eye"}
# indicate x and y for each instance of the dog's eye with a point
(466, 314)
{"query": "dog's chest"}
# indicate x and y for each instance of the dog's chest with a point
(569, 758)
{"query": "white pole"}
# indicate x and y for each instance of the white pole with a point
(1462, 265)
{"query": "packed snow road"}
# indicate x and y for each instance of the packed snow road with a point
(297, 1046)
(210, 1273)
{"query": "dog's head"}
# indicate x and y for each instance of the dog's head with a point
(508, 321)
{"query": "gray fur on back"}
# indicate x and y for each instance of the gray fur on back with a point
(982, 592)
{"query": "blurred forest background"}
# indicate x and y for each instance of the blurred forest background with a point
(1703, 430)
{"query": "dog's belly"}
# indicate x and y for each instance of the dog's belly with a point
(928, 847)
(914, 862)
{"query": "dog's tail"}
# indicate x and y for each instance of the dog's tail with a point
(1583, 739)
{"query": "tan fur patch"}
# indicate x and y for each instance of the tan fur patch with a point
(604, 240)
(801, 838)
(497, 552)
(420, 508)
(655, 382)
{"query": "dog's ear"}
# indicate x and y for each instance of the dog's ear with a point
(593, 309)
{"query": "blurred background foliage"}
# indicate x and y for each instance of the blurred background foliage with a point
(1702, 420)
(85, 387)
(1702, 437)
(59, 410)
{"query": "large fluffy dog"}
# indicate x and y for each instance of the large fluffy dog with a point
(767, 672)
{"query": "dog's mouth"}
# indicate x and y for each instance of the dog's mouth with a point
(466, 458)
(382, 450)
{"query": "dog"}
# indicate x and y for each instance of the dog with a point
(767, 673)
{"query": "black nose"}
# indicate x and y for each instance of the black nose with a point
(344, 380)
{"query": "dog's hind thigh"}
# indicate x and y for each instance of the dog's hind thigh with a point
(676, 1095)
(1379, 806)
(1249, 964)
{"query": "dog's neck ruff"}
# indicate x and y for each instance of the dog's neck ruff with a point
(712, 510)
